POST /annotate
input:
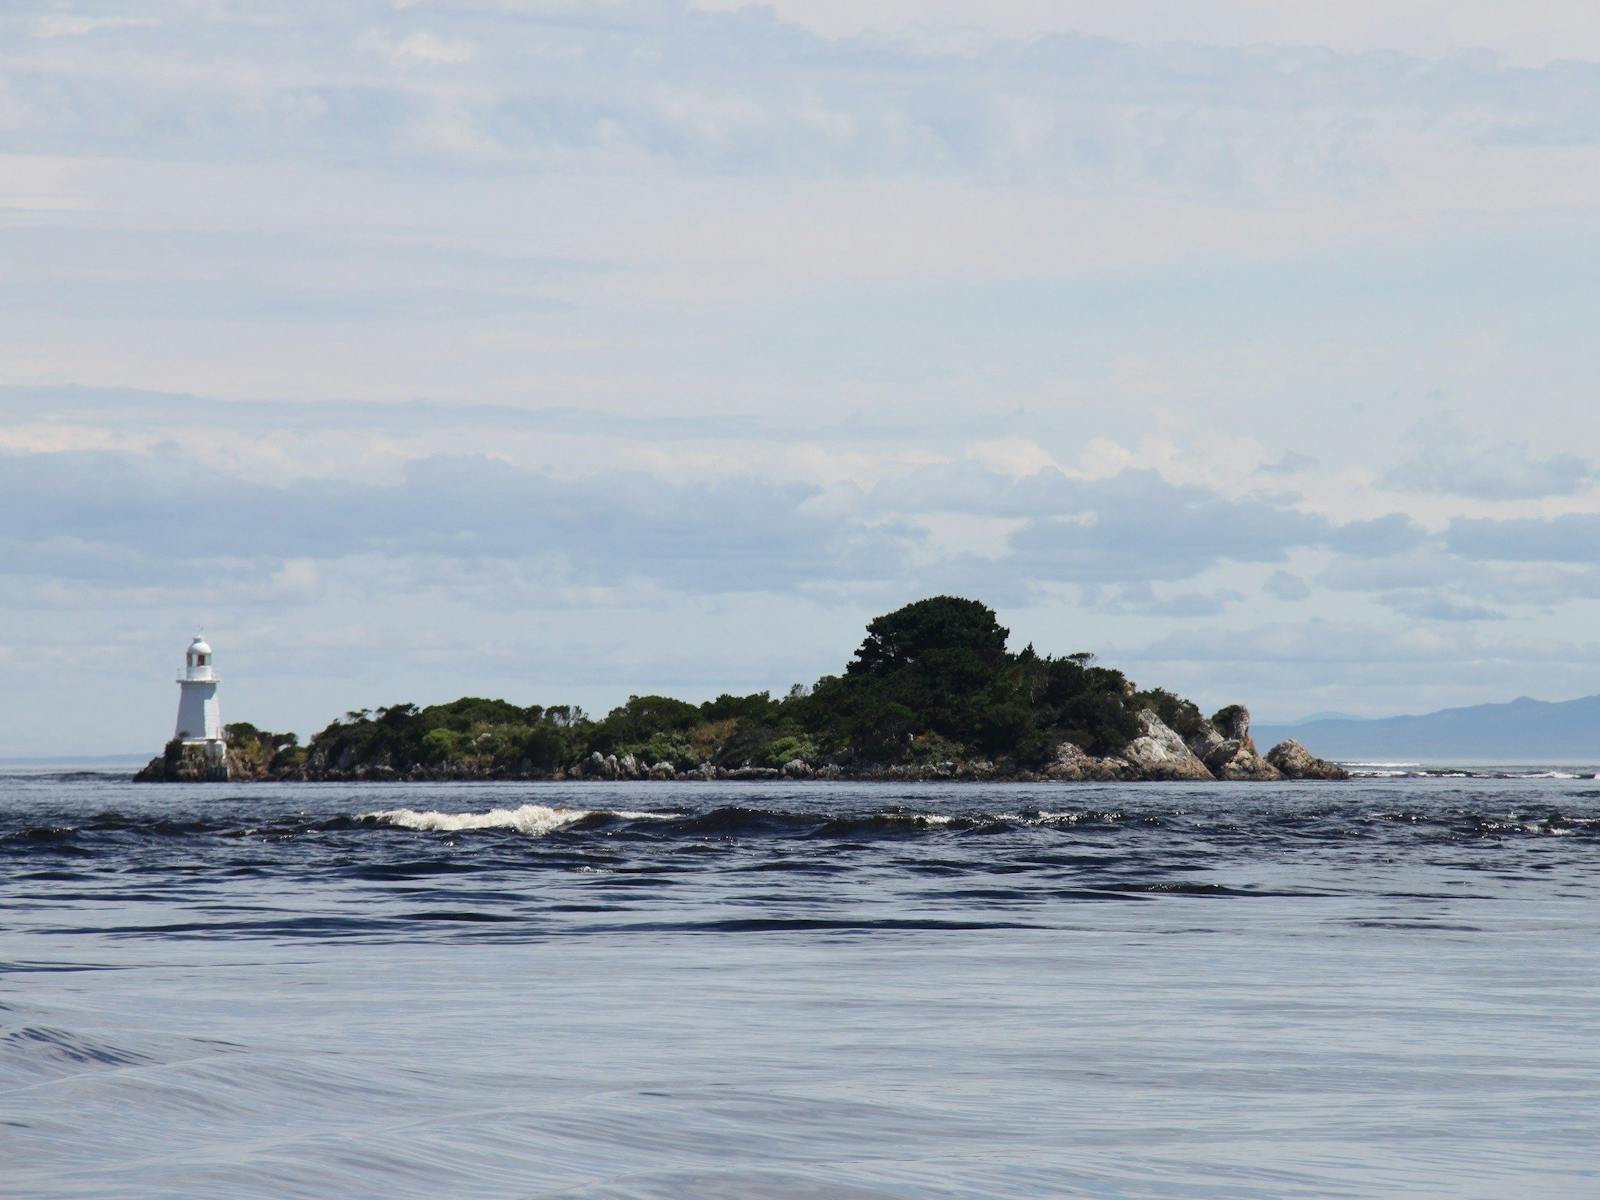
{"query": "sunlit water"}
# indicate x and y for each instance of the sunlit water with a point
(1382, 988)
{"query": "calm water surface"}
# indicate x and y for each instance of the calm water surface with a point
(1384, 988)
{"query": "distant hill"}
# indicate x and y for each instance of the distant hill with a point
(1523, 731)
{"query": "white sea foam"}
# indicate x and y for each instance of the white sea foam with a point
(1042, 817)
(535, 820)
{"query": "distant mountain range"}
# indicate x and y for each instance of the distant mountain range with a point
(1523, 731)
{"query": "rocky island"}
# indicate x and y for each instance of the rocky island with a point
(932, 693)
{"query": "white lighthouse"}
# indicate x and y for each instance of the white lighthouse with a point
(199, 715)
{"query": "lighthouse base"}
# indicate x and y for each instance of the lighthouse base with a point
(189, 762)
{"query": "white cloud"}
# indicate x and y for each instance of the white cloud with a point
(42, 184)
(13, 113)
(1564, 28)
(448, 128)
(297, 580)
(1015, 458)
(56, 437)
(57, 25)
(427, 49)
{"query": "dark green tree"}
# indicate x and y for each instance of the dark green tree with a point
(641, 718)
(941, 626)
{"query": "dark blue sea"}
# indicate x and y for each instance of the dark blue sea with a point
(1389, 987)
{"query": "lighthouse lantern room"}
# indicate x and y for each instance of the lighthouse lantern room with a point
(199, 715)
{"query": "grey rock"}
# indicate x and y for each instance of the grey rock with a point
(1208, 745)
(1159, 753)
(600, 766)
(1233, 722)
(751, 773)
(1072, 764)
(187, 763)
(1225, 746)
(1220, 755)
(1248, 765)
(1296, 762)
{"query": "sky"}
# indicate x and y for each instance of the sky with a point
(561, 351)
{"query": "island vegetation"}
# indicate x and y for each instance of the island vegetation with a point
(932, 692)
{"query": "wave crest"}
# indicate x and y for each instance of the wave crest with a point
(535, 820)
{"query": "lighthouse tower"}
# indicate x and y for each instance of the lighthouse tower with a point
(199, 716)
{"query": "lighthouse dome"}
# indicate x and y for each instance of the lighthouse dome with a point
(198, 661)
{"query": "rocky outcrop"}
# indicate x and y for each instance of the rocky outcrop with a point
(188, 762)
(1210, 747)
(1074, 765)
(1247, 765)
(1232, 722)
(750, 773)
(154, 771)
(250, 761)
(1230, 752)
(1160, 753)
(1294, 761)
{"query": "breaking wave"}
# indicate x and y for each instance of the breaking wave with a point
(535, 820)
(1408, 770)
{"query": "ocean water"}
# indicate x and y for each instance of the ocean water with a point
(1389, 987)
